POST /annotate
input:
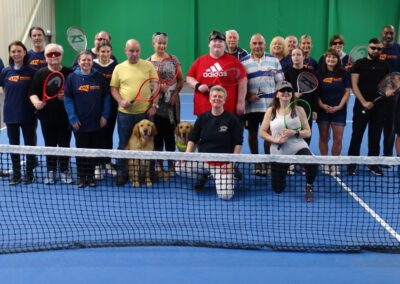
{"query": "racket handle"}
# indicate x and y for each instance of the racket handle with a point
(279, 146)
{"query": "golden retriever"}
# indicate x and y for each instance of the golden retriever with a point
(142, 139)
(182, 131)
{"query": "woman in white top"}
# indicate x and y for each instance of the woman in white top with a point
(285, 140)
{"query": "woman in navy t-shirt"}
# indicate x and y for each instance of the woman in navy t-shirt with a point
(18, 110)
(334, 92)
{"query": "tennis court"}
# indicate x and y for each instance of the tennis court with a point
(178, 213)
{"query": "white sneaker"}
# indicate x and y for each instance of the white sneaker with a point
(291, 170)
(99, 173)
(326, 169)
(335, 170)
(110, 170)
(50, 179)
(266, 169)
(66, 177)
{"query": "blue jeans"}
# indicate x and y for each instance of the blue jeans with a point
(125, 125)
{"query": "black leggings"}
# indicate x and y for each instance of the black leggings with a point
(279, 172)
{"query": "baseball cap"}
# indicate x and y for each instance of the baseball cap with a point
(216, 35)
(283, 85)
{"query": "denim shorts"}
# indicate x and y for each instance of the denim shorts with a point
(337, 118)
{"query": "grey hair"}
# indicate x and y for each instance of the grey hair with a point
(218, 88)
(232, 32)
(159, 36)
(53, 45)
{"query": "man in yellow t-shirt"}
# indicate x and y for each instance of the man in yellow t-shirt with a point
(126, 80)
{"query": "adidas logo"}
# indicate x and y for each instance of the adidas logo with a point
(215, 70)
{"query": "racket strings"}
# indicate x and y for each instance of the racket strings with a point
(53, 85)
(167, 71)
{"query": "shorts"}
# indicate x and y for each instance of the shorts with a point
(337, 118)
(253, 120)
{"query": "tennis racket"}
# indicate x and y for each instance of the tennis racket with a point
(148, 91)
(167, 71)
(357, 52)
(292, 124)
(226, 76)
(306, 82)
(389, 84)
(76, 38)
(261, 78)
(53, 86)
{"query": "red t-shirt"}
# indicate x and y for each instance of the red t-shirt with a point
(206, 70)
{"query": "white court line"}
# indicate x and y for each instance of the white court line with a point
(378, 218)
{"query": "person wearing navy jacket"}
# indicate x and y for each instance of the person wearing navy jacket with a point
(87, 103)
(18, 111)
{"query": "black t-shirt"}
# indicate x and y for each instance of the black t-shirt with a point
(291, 76)
(371, 72)
(54, 109)
(217, 134)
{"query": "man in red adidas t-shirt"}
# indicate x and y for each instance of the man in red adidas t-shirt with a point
(210, 69)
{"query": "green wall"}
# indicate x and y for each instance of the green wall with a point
(188, 22)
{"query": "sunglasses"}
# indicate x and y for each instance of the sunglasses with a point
(337, 43)
(53, 54)
(375, 48)
(161, 33)
(100, 39)
(289, 90)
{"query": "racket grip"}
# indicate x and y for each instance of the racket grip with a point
(279, 146)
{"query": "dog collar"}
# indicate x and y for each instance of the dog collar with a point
(181, 147)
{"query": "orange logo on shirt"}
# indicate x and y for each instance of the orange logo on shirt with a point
(87, 88)
(37, 62)
(84, 88)
(330, 80)
(17, 78)
(13, 78)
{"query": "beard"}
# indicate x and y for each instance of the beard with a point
(374, 57)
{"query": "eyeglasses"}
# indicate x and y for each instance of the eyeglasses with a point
(161, 33)
(100, 39)
(375, 48)
(53, 54)
(337, 43)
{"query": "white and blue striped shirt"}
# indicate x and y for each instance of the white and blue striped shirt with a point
(261, 79)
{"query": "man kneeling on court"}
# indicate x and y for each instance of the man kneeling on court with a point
(215, 131)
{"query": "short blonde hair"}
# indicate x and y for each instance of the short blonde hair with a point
(218, 88)
(281, 40)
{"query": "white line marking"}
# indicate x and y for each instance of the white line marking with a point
(378, 218)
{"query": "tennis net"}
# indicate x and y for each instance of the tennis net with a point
(347, 213)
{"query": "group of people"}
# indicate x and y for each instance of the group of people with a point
(100, 92)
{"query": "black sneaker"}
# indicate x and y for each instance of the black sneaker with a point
(81, 182)
(309, 196)
(91, 182)
(28, 179)
(15, 180)
(121, 180)
(200, 183)
(376, 170)
(238, 174)
(4, 173)
(351, 169)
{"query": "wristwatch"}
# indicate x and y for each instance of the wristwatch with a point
(297, 135)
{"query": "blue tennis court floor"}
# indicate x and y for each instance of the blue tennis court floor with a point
(207, 265)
